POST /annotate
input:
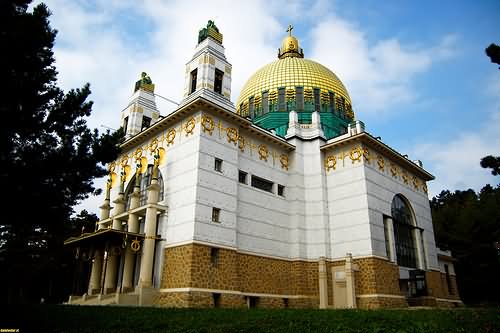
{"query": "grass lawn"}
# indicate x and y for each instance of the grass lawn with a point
(61, 318)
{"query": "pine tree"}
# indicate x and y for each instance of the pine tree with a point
(48, 155)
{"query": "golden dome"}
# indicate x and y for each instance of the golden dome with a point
(289, 73)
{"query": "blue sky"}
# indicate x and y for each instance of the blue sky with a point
(416, 70)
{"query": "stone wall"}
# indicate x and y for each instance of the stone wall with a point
(193, 265)
(200, 271)
(376, 276)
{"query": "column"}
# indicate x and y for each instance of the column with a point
(133, 226)
(119, 208)
(113, 258)
(323, 284)
(350, 283)
(105, 207)
(392, 243)
(148, 247)
(95, 275)
(420, 250)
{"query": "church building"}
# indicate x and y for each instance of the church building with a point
(282, 200)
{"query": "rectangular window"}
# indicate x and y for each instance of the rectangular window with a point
(125, 124)
(194, 76)
(262, 184)
(214, 256)
(281, 190)
(317, 106)
(218, 81)
(251, 107)
(265, 102)
(242, 177)
(331, 95)
(299, 97)
(281, 99)
(146, 122)
(215, 214)
(218, 165)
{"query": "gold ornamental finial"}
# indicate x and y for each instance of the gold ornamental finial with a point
(290, 46)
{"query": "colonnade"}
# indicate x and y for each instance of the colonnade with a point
(106, 261)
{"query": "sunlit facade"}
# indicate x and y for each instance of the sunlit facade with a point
(284, 200)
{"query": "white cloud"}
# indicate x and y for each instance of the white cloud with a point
(455, 163)
(378, 75)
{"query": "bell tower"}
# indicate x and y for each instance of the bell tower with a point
(141, 111)
(208, 70)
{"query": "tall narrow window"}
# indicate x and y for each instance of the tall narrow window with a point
(404, 232)
(317, 106)
(218, 165)
(242, 177)
(194, 77)
(251, 110)
(299, 97)
(125, 124)
(281, 190)
(218, 81)
(215, 214)
(146, 122)
(331, 95)
(281, 99)
(265, 102)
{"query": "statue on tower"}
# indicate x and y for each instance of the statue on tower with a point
(210, 30)
(145, 83)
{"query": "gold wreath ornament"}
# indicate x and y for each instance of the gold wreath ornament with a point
(207, 124)
(170, 137)
(356, 154)
(284, 161)
(394, 170)
(263, 152)
(124, 161)
(189, 127)
(153, 145)
(330, 163)
(138, 154)
(380, 163)
(232, 135)
(241, 143)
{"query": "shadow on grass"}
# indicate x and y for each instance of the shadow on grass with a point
(64, 318)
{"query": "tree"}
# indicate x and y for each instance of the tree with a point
(48, 155)
(493, 51)
(468, 224)
(493, 163)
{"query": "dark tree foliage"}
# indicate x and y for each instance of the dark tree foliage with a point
(48, 155)
(493, 163)
(468, 224)
(493, 51)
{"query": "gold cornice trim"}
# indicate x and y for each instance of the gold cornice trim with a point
(368, 139)
(202, 104)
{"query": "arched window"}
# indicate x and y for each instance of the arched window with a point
(144, 183)
(404, 232)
